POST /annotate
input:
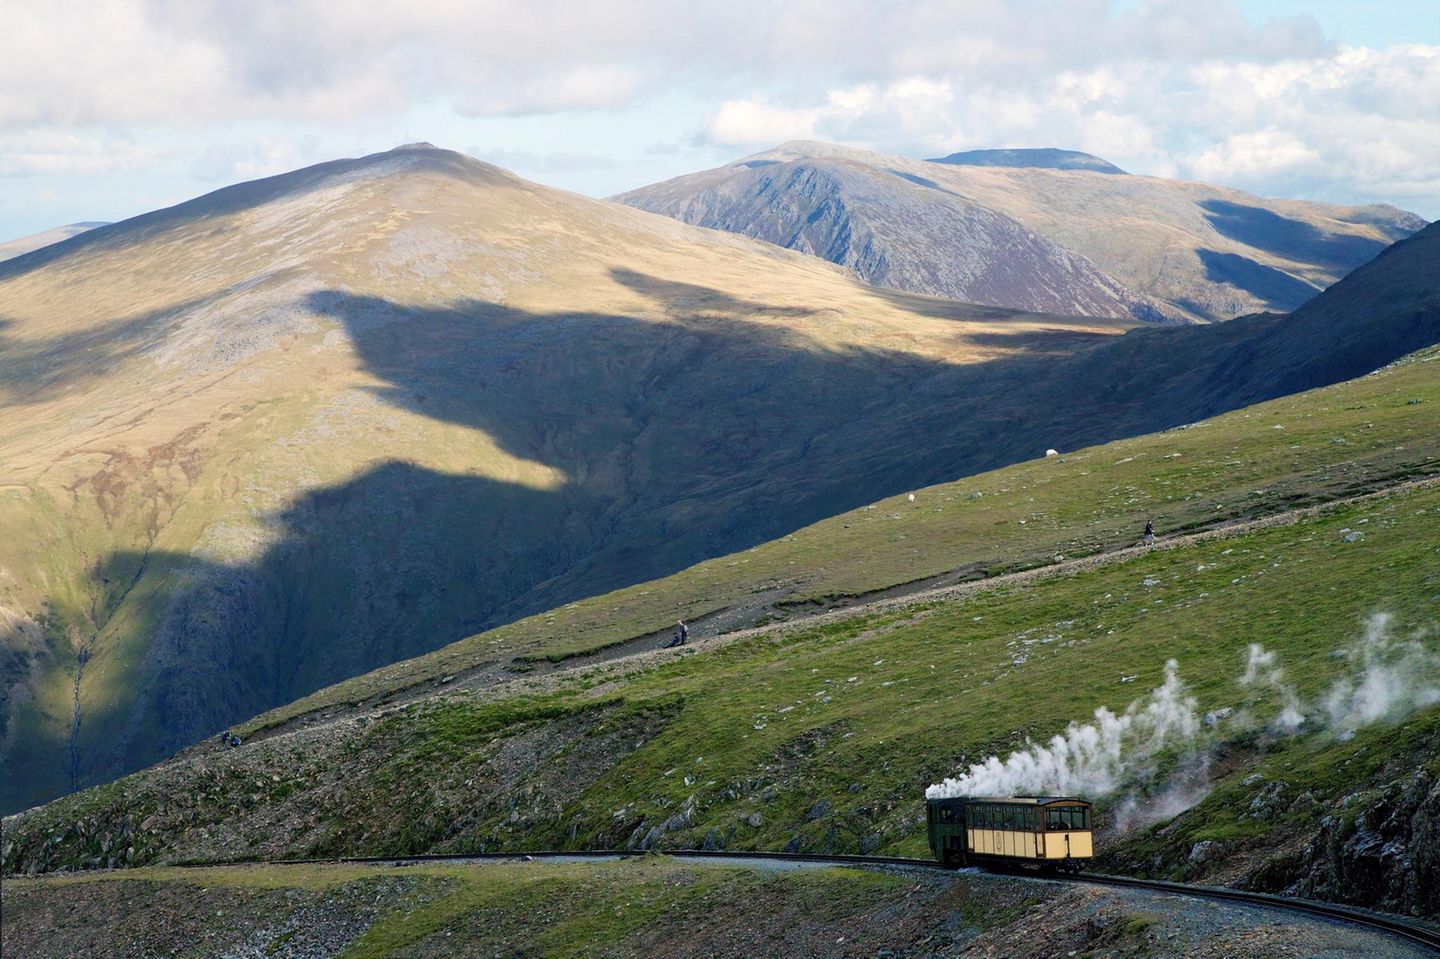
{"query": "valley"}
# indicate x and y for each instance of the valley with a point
(347, 416)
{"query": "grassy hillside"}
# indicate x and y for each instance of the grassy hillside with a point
(309, 426)
(823, 736)
(1294, 452)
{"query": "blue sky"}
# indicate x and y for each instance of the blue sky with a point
(111, 108)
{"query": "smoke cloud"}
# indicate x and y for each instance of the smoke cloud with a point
(1261, 670)
(1389, 680)
(1094, 758)
(1394, 680)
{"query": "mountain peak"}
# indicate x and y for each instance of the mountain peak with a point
(415, 146)
(1045, 158)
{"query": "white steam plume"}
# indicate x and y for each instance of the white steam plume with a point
(1261, 669)
(1182, 790)
(1095, 758)
(1392, 680)
(1395, 679)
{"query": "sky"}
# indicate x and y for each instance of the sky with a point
(111, 108)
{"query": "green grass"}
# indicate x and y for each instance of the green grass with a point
(859, 714)
(1296, 451)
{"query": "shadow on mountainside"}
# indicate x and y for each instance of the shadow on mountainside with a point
(680, 438)
(32, 370)
(1292, 239)
(1275, 287)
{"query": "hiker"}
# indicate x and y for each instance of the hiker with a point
(1149, 538)
(679, 637)
(234, 742)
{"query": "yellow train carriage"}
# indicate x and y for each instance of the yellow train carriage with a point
(1052, 832)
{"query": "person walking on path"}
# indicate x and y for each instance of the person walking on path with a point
(1149, 538)
(681, 635)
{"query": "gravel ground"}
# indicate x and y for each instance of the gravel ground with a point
(763, 909)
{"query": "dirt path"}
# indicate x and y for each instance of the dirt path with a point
(639, 653)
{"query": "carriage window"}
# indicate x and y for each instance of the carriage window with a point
(1068, 817)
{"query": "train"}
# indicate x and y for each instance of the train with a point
(1052, 833)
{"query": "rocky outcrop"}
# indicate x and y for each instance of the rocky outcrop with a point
(1381, 849)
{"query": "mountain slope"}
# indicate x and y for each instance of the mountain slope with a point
(821, 735)
(306, 426)
(309, 426)
(1090, 240)
(25, 244)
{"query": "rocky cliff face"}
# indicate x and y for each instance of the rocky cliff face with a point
(1047, 229)
(1378, 848)
(893, 234)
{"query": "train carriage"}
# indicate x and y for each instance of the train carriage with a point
(1052, 832)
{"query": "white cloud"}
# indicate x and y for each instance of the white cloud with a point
(1352, 124)
(756, 121)
(258, 156)
(1189, 87)
(51, 152)
(131, 61)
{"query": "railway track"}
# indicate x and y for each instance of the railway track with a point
(1414, 932)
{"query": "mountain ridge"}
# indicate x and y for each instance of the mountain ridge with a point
(255, 437)
(1048, 157)
(1119, 245)
(25, 244)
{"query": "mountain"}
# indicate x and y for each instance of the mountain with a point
(35, 241)
(1046, 158)
(1036, 233)
(306, 427)
(303, 427)
(838, 670)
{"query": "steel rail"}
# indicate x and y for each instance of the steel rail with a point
(1412, 931)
